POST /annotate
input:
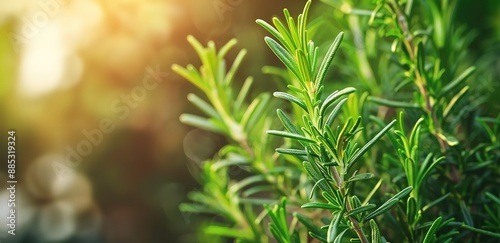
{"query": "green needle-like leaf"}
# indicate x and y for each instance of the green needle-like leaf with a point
(435, 202)
(242, 95)
(403, 193)
(334, 97)
(430, 236)
(339, 237)
(334, 227)
(246, 182)
(271, 30)
(255, 112)
(376, 238)
(287, 122)
(481, 231)
(203, 106)
(296, 152)
(360, 177)
(325, 64)
(284, 56)
(226, 231)
(361, 209)
(426, 169)
(382, 209)
(226, 48)
(291, 135)
(462, 77)
(389, 203)
(320, 205)
(411, 209)
(368, 145)
(333, 114)
(454, 100)
(228, 79)
(202, 123)
(291, 98)
(192, 75)
(392, 103)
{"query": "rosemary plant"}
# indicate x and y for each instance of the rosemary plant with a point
(318, 169)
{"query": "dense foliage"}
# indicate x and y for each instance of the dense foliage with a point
(398, 143)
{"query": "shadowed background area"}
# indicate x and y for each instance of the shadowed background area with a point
(86, 84)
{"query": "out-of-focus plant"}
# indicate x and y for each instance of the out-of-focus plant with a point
(326, 173)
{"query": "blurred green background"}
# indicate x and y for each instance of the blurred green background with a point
(87, 86)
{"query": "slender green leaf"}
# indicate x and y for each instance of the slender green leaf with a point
(192, 75)
(236, 64)
(256, 114)
(243, 94)
(361, 209)
(339, 237)
(458, 80)
(246, 182)
(376, 237)
(289, 43)
(304, 66)
(493, 198)
(320, 237)
(202, 123)
(257, 189)
(431, 233)
(415, 133)
(320, 205)
(195, 208)
(411, 210)
(403, 193)
(334, 227)
(372, 192)
(291, 98)
(481, 231)
(291, 135)
(354, 129)
(466, 213)
(315, 174)
(333, 114)
(203, 106)
(392, 103)
(226, 231)
(389, 203)
(330, 197)
(287, 123)
(296, 152)
(448, 138)
(369, 144)
(325, 64)
(334, 97)
(454, 100)
(225, 49)
(229, 162)
(435, 202)
(331, 163)
(284, 56)
(322, 180)
(425, 170)
(271, 30)
(360, 177)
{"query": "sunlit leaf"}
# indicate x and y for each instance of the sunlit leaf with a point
(291, 98)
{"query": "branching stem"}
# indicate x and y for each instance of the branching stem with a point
(419, 81)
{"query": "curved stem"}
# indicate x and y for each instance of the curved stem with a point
(419, 81)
